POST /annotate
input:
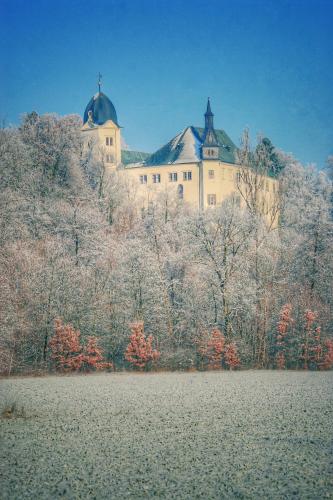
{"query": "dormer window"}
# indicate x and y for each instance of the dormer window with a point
(210, 153)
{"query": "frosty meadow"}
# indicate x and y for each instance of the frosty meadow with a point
(247, 434)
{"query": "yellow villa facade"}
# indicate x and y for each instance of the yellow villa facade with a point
(198, 165)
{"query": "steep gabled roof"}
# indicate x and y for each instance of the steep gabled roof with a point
(186, 148)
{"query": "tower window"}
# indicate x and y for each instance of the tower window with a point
(173, 177)
(211, 174)
(143, 179)
(156, 178)
(187, 176)
(211, 199)
(109, 159)
(109, 141)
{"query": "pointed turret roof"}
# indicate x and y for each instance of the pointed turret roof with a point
(208, 110)
(210, 138)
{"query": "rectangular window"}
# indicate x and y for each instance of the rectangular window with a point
(109, 141)
(211, 174)
(109, 159)
(237, 177)
(187, 176)
(143, 179)
(211, 199)
(173, 177)
(156, 178)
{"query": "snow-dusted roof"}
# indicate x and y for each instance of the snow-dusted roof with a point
(186, 148)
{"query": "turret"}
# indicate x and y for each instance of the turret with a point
(210, 145)
(101, 128)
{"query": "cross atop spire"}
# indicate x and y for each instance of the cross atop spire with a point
(99, 82)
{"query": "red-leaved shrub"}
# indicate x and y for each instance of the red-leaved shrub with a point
(93, 356)
(212, 349)
(231, 356)
(69, 355)
(66, 348)
(139, 351)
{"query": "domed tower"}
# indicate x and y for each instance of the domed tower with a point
(101, 129)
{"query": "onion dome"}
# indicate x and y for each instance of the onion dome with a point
(99, 110)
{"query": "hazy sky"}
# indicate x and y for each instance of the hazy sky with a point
(267, 65)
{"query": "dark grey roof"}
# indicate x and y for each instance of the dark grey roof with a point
(186, 148)
(101, 109)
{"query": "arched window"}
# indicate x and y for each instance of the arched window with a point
(180, 191)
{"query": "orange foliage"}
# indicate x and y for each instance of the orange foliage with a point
(231, 356)
(93, 355)
(212, 349)
(69, 355)
(65, 347)
(139, 351)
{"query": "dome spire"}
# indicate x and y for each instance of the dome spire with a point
(99, 82)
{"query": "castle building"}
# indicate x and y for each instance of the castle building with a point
(198, 165)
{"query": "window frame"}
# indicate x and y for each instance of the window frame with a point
(211, 197)
(187, 176)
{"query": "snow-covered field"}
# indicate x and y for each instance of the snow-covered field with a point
(254, 434)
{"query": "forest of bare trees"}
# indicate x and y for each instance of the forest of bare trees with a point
(75, 246)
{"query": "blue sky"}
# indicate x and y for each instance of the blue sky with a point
(267, 65)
